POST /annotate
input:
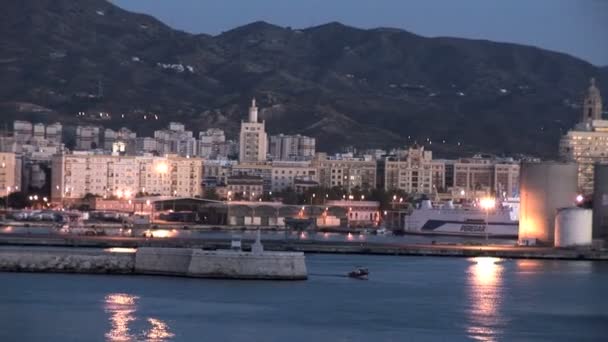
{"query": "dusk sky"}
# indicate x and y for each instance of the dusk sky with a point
(577, 27)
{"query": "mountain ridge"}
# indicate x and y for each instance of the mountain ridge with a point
(344, 85)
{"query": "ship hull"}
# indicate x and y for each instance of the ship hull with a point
(463, 223)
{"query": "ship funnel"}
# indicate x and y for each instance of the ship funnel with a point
(426, 204)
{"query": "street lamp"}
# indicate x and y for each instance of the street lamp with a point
(487, 203)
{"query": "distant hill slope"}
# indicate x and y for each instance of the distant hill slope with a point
(343, 85)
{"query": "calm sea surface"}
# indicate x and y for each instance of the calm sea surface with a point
(406, 299)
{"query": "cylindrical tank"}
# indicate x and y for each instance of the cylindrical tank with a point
(573, 227)
(544, 187)
(600, 202)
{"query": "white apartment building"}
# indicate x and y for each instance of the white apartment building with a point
(587, 143)
(489, 175)
(146, 144)
(88, 138)
(216, 172)
(285, 174)
(54, 133)
(10, 173)
(38, 132)
(262, 170)
(345, 171)
(253, 140)
(124, 135)
(414, 171)
(210, 142)
(292, 147)
(78, 174)
(24, 132)
(176, 140)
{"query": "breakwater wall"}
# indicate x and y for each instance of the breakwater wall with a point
(185, 262)
(64, 260)
(221, 263)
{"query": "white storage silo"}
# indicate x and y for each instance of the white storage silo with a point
(544, 187)
(573, 227)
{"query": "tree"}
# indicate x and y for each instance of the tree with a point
(315, 195)
(211, 194)
(17, 200)
(336, 193)
(289, 196)
(89, 196)
(266, 197)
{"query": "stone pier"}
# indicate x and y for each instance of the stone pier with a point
(185, 262)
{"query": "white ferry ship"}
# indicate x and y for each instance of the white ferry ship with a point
(501, 222)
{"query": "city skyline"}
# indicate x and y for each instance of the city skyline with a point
(352, 170)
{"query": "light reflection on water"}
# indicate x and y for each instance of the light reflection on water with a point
(485, 290)
(159, 331)
(122, 308)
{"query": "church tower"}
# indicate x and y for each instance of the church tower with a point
(592, 107)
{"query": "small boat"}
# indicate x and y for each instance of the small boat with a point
(359, 273)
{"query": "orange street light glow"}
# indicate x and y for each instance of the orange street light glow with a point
(162, 168)
(487, 203)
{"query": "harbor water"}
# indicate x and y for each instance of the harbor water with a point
(405, 299)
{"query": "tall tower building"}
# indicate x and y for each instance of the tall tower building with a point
(587, 143)
(253, 143)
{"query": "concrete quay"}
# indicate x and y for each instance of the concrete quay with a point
(438, 250)
(185, 262)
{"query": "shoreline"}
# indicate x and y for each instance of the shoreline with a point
(325, 247)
